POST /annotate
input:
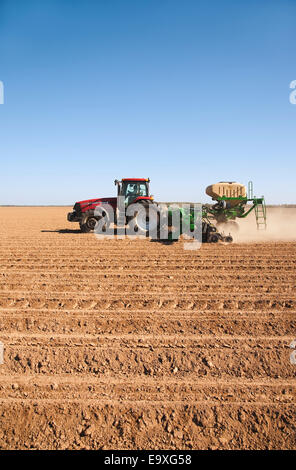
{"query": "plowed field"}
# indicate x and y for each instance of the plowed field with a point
(122, 344)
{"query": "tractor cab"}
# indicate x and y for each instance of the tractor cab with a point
(133, 189)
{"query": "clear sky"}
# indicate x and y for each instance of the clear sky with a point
(185, 92)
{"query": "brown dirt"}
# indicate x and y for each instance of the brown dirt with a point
(123, 344)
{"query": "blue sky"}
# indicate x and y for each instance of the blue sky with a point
(185, 92)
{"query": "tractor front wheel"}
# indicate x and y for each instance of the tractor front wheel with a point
(88, 223)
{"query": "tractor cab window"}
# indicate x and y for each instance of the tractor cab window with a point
(143, 191)
(131, 190)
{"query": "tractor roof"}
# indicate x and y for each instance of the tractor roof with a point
(135, 179)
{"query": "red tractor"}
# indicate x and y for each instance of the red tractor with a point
(131, 190)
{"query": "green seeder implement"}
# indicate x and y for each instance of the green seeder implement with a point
(229, 207)
(232, 202)
(188, 219)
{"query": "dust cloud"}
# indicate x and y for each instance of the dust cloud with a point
(281, 226)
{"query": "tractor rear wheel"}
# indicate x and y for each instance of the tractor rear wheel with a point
(145, 220)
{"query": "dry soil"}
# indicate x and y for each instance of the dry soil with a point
(133, 344)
